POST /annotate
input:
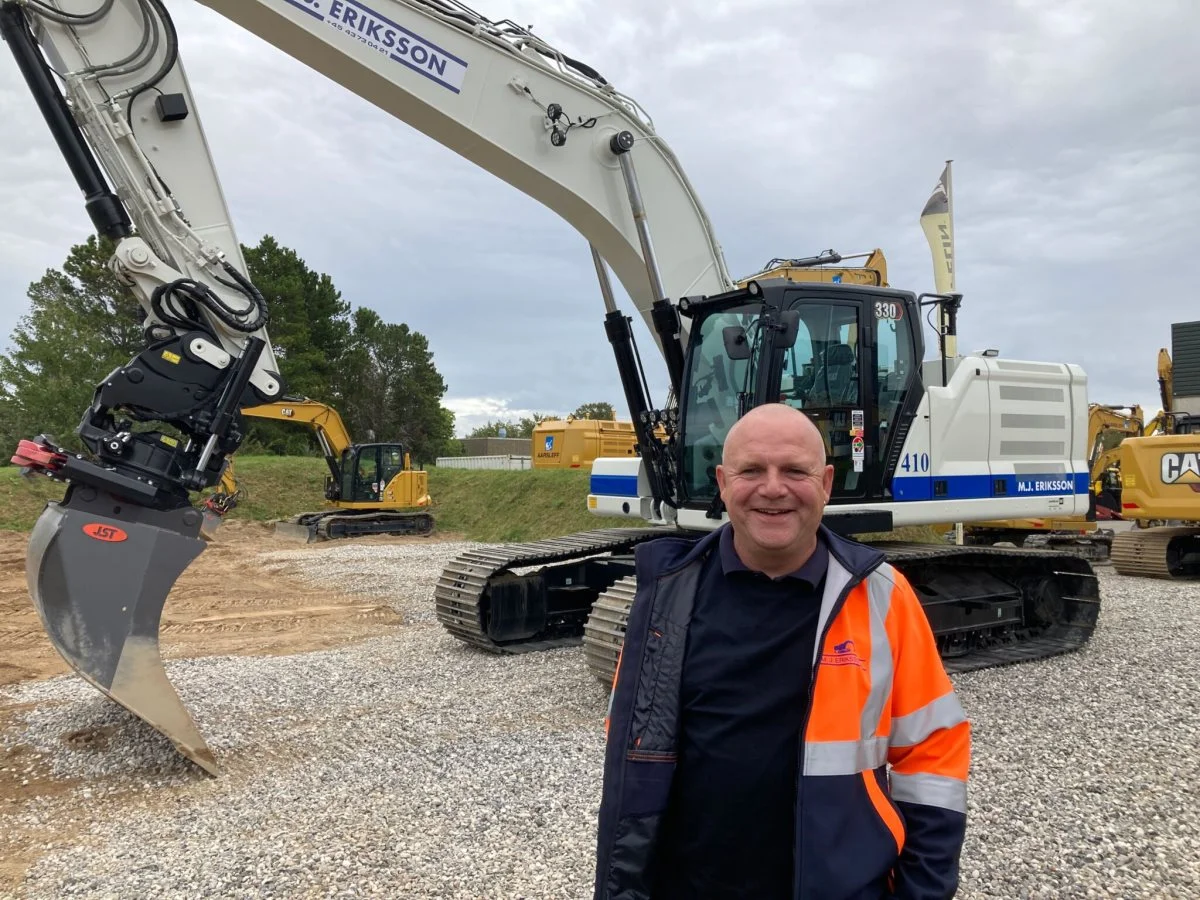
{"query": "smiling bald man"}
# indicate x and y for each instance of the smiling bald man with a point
(781, 725)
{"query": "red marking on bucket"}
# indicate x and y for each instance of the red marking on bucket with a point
(102, 532)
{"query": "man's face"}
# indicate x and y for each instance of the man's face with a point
(775, 484)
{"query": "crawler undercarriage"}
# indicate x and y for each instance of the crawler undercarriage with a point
(988, 606)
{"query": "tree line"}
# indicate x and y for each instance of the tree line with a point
(523, 427)
(82, 323)
(380, 376)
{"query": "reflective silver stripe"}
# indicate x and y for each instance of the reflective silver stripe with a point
(844, 757)
(930, 790)
(836, 578)
(879, 600)
(944, 712)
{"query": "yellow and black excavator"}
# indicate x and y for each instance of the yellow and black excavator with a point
(1160, 482)
(371, 488)
(824, 268)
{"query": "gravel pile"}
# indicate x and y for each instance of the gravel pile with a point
(403, 575)
(410, 766)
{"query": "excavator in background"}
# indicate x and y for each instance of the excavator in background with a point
(1160, 472)
(913, 440)
(372, 488)
(1108, 426)
(824, 267)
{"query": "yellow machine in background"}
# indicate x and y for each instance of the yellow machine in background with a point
(824, 268)
(575, 443)
(1160, 475)
(1108, 427)
(371, 488)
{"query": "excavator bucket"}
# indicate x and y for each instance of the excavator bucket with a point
(99, 570)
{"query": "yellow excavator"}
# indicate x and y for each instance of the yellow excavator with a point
(825, 268)
(1108, 427)
(371, 488)
(1160, 479)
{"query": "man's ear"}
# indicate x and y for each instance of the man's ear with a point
(828, 482)
(720, 478)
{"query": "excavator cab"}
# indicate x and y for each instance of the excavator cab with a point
(368, 472)
(372, 489)
(846, 356)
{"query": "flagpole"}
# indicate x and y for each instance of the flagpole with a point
(952, 340)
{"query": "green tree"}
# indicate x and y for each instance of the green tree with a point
(81, 325)
(309, 321)
(309, 327)
(388, 386)
(601, 411)
(492, 429)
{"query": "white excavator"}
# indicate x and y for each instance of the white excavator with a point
(956, 438)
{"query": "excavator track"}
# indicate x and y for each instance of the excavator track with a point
(328, 525)
(1096, 546)
(604, 632)
(482, 602)
(1167, 551)
(988, 606)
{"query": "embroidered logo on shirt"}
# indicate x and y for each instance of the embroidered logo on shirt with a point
(843, 655)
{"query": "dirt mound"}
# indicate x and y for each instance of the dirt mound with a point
(223, 604)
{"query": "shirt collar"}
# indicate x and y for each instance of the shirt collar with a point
(811, 572)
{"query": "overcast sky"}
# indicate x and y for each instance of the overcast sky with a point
(1074, 126)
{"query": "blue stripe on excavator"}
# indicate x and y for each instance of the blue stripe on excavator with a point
(615, 485)
(958, 487)
(983, 487)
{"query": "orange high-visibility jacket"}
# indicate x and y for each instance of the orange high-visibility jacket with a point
(882, 793)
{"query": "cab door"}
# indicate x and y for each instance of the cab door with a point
(360, 474)
(851, 370)
(391, 463)
(823, 377)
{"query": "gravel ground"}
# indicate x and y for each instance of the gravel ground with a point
(409, 766)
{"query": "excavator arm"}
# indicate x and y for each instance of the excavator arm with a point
(325, 421)
(1166, 380)
(109, 79)
(327, 425)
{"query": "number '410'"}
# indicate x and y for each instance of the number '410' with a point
(915, 462)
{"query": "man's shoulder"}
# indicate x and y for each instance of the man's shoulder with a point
(662, 554)
(857, 558)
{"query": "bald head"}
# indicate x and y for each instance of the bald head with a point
(775, 483)
(785, 423)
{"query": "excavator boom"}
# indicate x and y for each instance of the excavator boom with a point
(161, 428)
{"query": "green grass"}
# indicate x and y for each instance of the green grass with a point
(480, 505)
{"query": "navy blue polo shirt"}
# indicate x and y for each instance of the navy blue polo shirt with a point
(729, 829)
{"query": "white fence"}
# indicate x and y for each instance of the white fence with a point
(485, 462)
